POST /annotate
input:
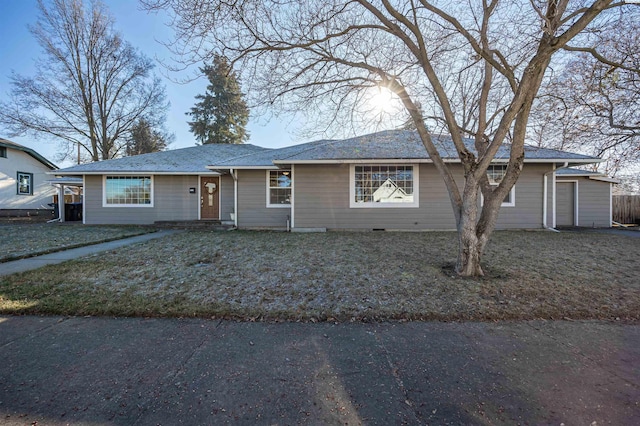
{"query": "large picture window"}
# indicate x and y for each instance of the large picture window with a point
(279, 184)
(384, 186)
(495, 174)
(135, 191)
(25, 183)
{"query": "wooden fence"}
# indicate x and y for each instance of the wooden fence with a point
(626, 208)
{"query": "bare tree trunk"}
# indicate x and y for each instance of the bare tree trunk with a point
(472, 238)
(469, 253)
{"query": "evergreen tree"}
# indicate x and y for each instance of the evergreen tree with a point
(221, 114)
(145, 139)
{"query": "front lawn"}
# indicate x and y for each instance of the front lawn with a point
(18, 241)
(342, 277)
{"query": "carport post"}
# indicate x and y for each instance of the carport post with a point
(61, 202)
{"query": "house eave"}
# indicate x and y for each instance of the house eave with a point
(428, 160)
(604, 179)
(359, 161)
(133, 172)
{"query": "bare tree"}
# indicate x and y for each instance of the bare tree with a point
(592, 103)
(90, 86)
(325, 56)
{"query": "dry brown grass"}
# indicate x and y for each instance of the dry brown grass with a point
(20, 240)
(341, 276)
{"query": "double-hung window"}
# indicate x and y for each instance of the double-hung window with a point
(128, 191)
(279, 183)
(495, 174)
(25, 183)
(383, 185)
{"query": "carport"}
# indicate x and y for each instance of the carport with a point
(77, 208)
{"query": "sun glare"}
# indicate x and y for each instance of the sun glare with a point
(382, 99)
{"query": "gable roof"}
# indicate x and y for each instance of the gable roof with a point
(265, 159)
(390, 145)
(395, 145)
(9, 144)
(191, 160)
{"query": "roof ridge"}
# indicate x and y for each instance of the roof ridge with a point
(316, 146)
(333, 141)
(262, 149)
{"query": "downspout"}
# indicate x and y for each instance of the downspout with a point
(84, 205)
(234, 175)
(553, 196)
(293, 199)
(610, 205)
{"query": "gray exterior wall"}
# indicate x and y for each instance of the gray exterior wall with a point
(252, 202)
(529, 190)
(226, 197)
(171, 201)
(321, 200)
(594, 201)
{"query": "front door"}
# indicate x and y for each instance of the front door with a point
(209, 197)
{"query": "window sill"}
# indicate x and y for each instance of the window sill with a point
(127, 205)
(354, 205)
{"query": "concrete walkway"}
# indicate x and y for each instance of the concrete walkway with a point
(102, 371)
(36, 262)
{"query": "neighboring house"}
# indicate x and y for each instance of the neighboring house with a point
(385, 180)
(24, 189)
(581, 196)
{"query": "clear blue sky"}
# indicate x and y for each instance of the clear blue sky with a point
(18, 50)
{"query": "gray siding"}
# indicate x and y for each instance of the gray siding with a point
(593, 202)
(171, 198)
(252, 202)
(529, 190)
(226, 197)
(321, 200)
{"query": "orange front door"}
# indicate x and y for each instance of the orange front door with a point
(209, 197)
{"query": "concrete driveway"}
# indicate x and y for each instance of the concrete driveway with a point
(102, 371)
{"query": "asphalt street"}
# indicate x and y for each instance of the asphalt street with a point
(134, 371)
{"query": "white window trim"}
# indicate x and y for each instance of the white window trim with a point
(278, 206)
(512, 197)
(104, 192)
(512, 191)
(372, 205)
